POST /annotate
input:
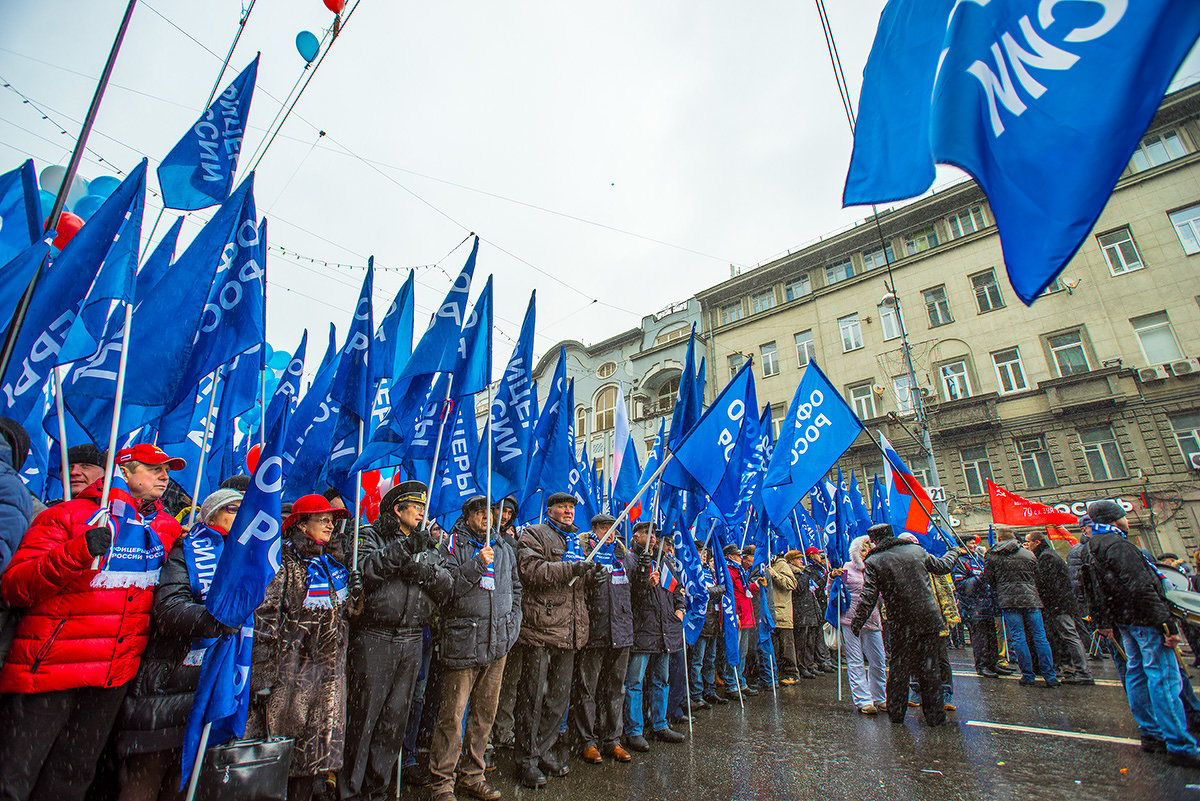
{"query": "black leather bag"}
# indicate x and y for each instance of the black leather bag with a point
(246, 770)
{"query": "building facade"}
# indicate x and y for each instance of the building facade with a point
(1091, 392)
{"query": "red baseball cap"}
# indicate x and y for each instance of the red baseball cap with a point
(312, 505)
(811, 551)
(149, 454)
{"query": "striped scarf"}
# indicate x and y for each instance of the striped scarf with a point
(607, 556)
(201, 551)
(573, 553)
(136, 554)
(327, 579)
(488, 580)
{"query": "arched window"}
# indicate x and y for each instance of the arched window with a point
(667, 393)
(580, 422)
(606, 408)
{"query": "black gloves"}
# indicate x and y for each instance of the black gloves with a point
(580, 568)
(355, 585)
(599, 573)
(211, 627)
(416, 572)
(419, 541)
(98, 540)
(716, 591)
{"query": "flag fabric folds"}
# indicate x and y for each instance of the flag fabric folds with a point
(512, 417)
(20, 216)
(908, 503)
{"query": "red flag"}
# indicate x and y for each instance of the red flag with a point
(1011, 509)
(1060, 533)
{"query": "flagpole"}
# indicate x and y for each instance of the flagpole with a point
(229, 55)
(357, 500)
(212, 401)
(746, 528)
(110, 459)
(839, 642)
(437, 445)
(771, 599)
(491, 522)
(194, 779)
(63, 459)
(737, 680)
(687, 684)
(262, 404)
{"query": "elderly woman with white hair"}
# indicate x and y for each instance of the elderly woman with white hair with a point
(865, 658)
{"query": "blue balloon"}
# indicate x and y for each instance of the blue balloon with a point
(88, 205)
(308, 45)
(46, 200)
(102, 187)
(279, 360)
(244, 425)
(268, 352)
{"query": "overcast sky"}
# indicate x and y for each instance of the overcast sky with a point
(615, 157)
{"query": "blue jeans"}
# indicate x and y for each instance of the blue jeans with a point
(1014, 624)
(1153, 684)
(745, 637)
(702, 675)
(644, 668)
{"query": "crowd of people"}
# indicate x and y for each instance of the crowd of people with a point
(421, 658)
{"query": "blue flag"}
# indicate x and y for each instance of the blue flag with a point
(199, 170)
(17, 273)
(862, 518)
(824, 514)
(682, 418)
(547, 421)
(838, 603)
(158, 263)
(704, 456)
(810, 533)
(287, 391)
(579, 486)
(241, 381)
(473, 364)
(837, 549)
(455, 481)
(394, 338)
(20, 215)
(729, 617)
(191, 422)
(879, 506)
(512, 417)
(352, 391)
(311, 428)
(695, 579)
(1002, 92)
(437, 351)
(549, 472)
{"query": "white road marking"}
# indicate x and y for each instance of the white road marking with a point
(1017, 676)
(1076, 735)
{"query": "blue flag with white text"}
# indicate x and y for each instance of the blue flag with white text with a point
(512, 417)
(20, 213)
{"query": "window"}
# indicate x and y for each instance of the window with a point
(664, 399)
(987, 291)
(966, 222)
(955, 381)
(1187, 227)
(606, 370)
(938, 306)
(902, 385)
(862, 398)
(1069, 355)
(762, 301)
(1156, 337)
(1103, 456)
(672, 335)
(851, 333)
(1054, 286)
(917, 241)
(731, 313)
(735, 364)
(799, 288)
(1035, 463)
(770, 359)
(606, 408)
(1157, 149)
(1009, 371)
(977, 470)
(580, 422)
(889, 320)
(878, 258)
(1120, 251)
(921, 474)
(805, 348)
(839, 272)
(1187, 434)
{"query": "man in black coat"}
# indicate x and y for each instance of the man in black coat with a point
(898, 571)
(1011, 571)
(598, 698)
(1059, 610)
(404, 580)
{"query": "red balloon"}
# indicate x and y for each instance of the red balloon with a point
(68, 225)
(370, 482)
(335, 6)
(252, 457)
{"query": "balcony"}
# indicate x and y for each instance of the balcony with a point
(1096, 389)
(976, 413)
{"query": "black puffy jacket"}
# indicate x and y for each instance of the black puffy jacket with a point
(1012, 570)
(610, 604)
(1121, 586)
(155, 710)
(899, 571)
(1054, 583)
(656, 629)
(806, 609)
(404, 579)
(479, 626)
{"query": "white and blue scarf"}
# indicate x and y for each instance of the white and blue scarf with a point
(573, 553)
(488, 580)
(136, 554)
(607, 556)
(201, 551)
(327, 580)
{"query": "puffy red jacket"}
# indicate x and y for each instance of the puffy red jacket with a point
(743, 596)
(72, 634)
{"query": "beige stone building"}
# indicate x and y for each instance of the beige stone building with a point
(1093, 392)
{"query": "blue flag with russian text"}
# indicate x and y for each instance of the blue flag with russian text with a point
(512, 417)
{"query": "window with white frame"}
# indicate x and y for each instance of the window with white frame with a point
(1010, 373)
(666, 396)
(735, 364)
(1068, 352)
(770, 359)
(580, 422)
(762, 301)
(966, 222)
(1187, 434)
(851, 332)
(1157, 149)
(889, 319)
(605, 370)
(1102, 454)
(921, 474)
(799, 288)
(903, 387)
(606, 408)
(977, 469)
(806, 349)
(1156, 338)
(862, 399)
(878, 258)
(917, 241)
(1120, 251)
(673, 335)
(987, 291)
(1036, 467)
(731, 313)
(938, 306)
(1187, 227)
(839, 272)
(956, 383)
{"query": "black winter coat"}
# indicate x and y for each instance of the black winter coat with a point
(1054, 583)
(398, 592)
(656, 629)
(713, 621)
(1075, 571)
(805, 606)
(479, 626)
(899, 571)
(1121, 586)
(1012, 570)
(610, 604)
(155, 712)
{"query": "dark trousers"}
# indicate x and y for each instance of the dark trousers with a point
(677, 691)
(785, 652)
(542, 699)
(598, 697)
(983, 643)
(50, 742)
(915, 655)
(381, 675)
(805, 639)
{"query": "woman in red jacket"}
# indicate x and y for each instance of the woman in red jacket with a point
(77, 645)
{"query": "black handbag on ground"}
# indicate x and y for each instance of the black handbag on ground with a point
(246, 770)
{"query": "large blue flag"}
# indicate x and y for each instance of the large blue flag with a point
(353, 391)
(682, 418)
(512, 417)
(20, 216)
(579, 486)
(695, 579)
(729, 616)
(547, 420)
(549, 470)
(837, 548)
(862, 518)
(394, 337)
(287, 391)
(199, 170)
(473, 364)
(823, 514)
(17, 273)
(455, 480)
(879, 507)
(311, 428)
(241, 382)
(191, 422)
(1001, 92)
(705, 455)
(437, 350)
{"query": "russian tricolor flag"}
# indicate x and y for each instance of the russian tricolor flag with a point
(907, 500)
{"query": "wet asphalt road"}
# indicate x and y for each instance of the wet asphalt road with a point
(807, 745)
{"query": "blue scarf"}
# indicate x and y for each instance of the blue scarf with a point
(488, 580)
(136, 554)
(607, 556)
(327, 580)
(201, 552)
(744, 575)
(573, 552)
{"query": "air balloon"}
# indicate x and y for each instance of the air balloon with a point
(307, 45)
